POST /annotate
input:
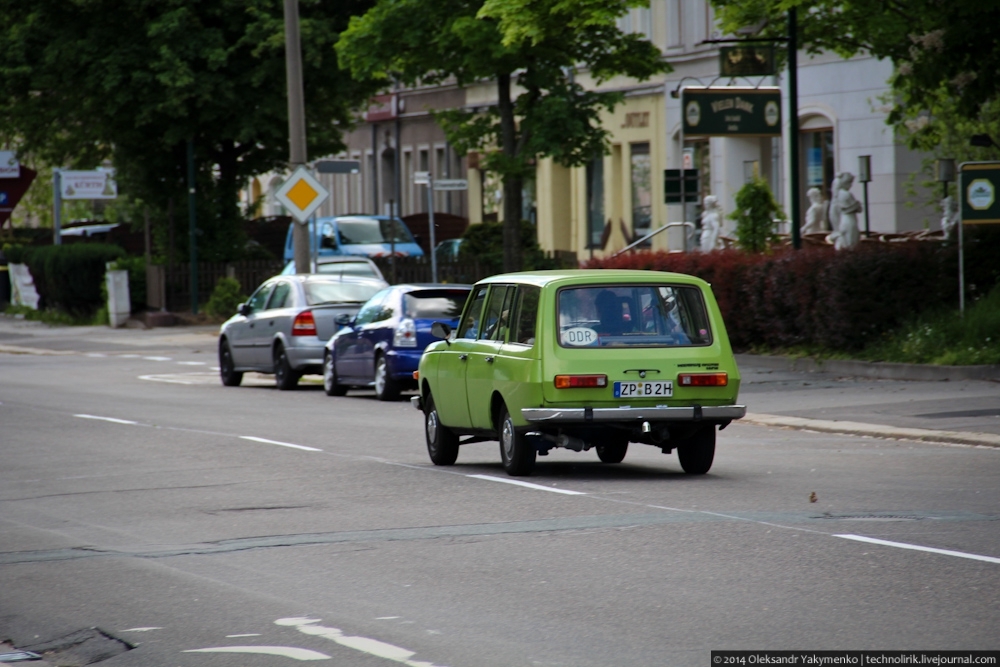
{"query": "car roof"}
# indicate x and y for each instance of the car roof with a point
(334, 278)
(596, 276)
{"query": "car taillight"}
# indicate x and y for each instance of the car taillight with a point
(304, 324)
(580, 381)
(703, 379)
(405, 334)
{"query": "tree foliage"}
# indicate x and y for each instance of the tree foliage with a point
(756, 211)
(939, 47)
(532, 50)
(134, 80)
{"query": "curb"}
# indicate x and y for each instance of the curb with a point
(879, 370)
(874, 430)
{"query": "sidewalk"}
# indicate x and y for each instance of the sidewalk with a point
(955, 405)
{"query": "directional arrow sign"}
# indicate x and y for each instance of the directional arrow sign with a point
(451, 184)
(301, 194)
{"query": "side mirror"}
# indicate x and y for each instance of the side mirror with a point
(344, 319)
(440, 330)
(244, 309)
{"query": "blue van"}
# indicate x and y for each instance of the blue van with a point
(368, 235)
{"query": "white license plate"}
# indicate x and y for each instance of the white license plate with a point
(644, 389)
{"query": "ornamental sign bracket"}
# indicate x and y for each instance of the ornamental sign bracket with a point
(301, 194)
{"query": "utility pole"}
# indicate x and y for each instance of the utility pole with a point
(793, 125)
(296, 122)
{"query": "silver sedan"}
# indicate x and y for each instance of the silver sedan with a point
(284, 326)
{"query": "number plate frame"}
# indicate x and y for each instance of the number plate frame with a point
(644, 389)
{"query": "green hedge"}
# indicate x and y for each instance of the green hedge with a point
(69, 277)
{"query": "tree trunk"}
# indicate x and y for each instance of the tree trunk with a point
(512, 181)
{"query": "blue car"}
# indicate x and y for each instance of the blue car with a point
(380, 347)
(367, 235)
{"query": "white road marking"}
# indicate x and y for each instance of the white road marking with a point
(192, 363)
(528, 485)
(386, 618)
(106, 419)
(362, 644)
(157, 358)
(282, 444)
(248, 634)
(96, 354)
(128, 356)
(141, 629)
(185, 378)
(284, 651)
(917, 547)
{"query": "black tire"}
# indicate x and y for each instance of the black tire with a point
(386, 389)
(330, 384)
(285, 378)
(230, 376)
(517, 454)
(697, 452)
(612, 450)
(442, 443)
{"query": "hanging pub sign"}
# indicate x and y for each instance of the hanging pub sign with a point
(731, 111)
(746, 60)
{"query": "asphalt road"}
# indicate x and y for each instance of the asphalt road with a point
(197, 525)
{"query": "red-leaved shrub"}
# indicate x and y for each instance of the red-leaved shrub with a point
(840, 300)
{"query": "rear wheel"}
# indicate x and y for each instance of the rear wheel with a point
(612, 450)
(697, 452)
(517, 454)
(386, 389)
(230, 377)
(330, 384)
(442, 443)
(285, 378)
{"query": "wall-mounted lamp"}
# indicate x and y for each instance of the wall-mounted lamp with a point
(945, 168)
(865, 176)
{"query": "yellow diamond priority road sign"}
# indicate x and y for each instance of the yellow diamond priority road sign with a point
(301, 194)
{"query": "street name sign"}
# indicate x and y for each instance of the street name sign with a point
(421, 177)
(450, 184)
(731, 111)
(301, 194)
(979, 189)
(93, 184)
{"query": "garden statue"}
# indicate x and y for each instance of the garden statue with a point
(711, 224)
(950, 218)
(845, 234)
(816, 214)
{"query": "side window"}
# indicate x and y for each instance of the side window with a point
(281, 296)
(469, 326)
(527, 315)
(259, 298)
(370, 310)
(387, 308)
(496, 319)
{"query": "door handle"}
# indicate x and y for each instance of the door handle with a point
(489, 360)
(463, 357)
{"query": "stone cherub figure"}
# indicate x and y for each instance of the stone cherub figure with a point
(845, 226)
(950, 218)
(816, 214)
(711, 224)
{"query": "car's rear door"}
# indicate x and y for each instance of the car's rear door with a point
(243, 332)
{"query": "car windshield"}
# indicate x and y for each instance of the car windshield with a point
(372, 230)
(435, 304)
(320, 292)
(633, 315)
(348, 269)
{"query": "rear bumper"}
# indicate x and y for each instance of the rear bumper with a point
(306, 353)
(626, 414)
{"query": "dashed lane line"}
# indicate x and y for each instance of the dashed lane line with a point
(528, 485)
(917, 547)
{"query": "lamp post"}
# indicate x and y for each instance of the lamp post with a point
(865, 176)
(945, 168)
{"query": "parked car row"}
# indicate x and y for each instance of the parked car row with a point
(575, 359)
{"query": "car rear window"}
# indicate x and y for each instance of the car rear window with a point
(633, 316)
(347, 269)
(434, 304)
(339, 292)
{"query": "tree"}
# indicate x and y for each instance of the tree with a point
(756, 211)
(949, 47)
(531, 48)
(134, 80)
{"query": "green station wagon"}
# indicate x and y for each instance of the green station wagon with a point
(581, 359)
